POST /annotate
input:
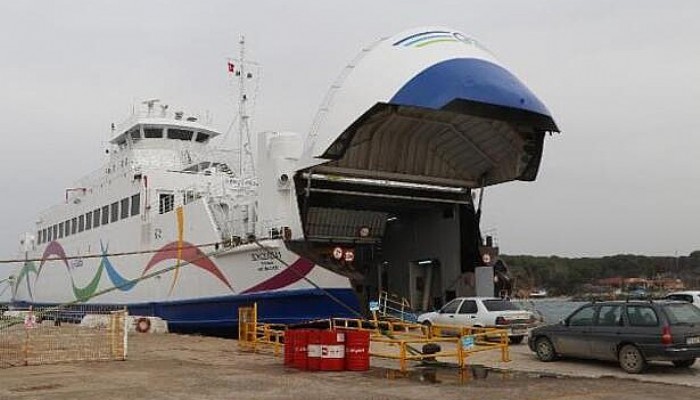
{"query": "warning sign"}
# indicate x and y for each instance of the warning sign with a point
(338, 253)
(349, 256)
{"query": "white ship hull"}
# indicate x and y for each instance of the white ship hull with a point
(201, 286)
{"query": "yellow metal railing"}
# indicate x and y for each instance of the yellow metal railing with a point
(31, 338)
(469, 341)
(396, 340)
(253, 336)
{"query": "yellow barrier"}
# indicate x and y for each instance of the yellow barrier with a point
(405, 335)
(469, 341)
(45, 336)
(253, 336)
(399, 338)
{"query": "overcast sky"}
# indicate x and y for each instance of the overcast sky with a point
(622, 79)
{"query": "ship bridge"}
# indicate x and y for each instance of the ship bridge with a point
(412, 126)
(156, 126)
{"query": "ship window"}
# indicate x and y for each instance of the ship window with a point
(179, 134)
(38, 237)
(96, 218)
(43, 236)
(105, 215)
(153, 133)
(115, 211)
(73, 226)
(135, 204)
(166, 202)
(48, 234)
(81, 223)
(66, 229)
(88, 220)
(60, 230)
(55, 232)
(135, 134)
(125, 208)
(202, 137)
(189, 196)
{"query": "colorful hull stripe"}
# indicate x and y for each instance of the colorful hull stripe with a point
(180, 251)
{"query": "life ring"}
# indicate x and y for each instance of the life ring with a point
(143, 325)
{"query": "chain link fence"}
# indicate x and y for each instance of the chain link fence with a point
(52, 335)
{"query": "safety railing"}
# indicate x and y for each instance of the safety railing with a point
(395, 308)
(466, 342)
(255, 337)
(48, 335)
(402, 341)
(382, 327)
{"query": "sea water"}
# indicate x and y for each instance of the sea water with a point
(552, 309)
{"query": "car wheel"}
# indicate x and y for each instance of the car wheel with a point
(631, 359)
(544, 349)
(684, 363)
(516, 339)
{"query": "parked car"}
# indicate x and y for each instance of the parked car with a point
(691, 296)
(483, 312)
(631, 333)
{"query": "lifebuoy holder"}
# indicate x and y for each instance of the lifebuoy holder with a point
(143, 325)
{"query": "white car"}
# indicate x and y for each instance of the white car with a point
(483, 312)
(691, 296)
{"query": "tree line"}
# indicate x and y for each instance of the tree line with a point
(567, 276)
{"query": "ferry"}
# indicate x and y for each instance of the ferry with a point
(383, 193)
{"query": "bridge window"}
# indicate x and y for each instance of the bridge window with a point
(81, 223)
(73, 226)
(60, 230)
(135, 134)
(202, 137)
(88, 220)
(179, 134)
(55, 232)
(153, 133)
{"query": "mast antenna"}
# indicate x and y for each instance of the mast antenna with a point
(243, 70)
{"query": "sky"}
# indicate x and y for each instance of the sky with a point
(621, 78)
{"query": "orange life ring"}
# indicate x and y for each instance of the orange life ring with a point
(143, 325)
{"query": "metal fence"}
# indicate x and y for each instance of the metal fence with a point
(51, 335)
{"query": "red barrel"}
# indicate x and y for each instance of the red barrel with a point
(300, 341)
(332, 350)
(357, 350)
(313, 350)
(289, 347)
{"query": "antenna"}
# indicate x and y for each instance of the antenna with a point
(150, 103)
(246, 167)
(163, 108)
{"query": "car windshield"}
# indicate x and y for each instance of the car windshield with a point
(682, 313)
(500, 305)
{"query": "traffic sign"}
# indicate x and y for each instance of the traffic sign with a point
(338, 253)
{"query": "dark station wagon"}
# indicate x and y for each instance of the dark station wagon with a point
(630, 332)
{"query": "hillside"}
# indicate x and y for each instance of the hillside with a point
(568, 276)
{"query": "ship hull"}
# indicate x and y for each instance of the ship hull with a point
(220, 314)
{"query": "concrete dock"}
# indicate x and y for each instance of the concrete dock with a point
(167, 366)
